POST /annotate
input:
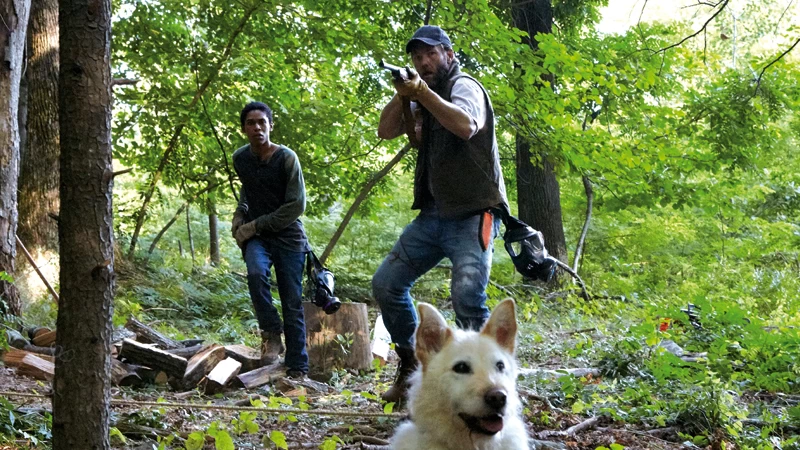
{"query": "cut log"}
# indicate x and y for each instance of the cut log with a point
(152, 376)
(248, 356)
(15, 340)
(287, 384)
(262, 376)
(153, 358)
(221, 375)
(187, 352)
(352, 351)
(124, 374)
(47, 339)
(122, 333)
(33, 366)
(36, 331)
(191, 342)
(13, 357)
(201, 364)
(150, 336)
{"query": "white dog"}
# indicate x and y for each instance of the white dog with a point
(464, 396)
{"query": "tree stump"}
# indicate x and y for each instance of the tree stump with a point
(337, 341)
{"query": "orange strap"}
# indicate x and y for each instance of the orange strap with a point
(485, 230)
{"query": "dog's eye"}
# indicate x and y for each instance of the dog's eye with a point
(462, 367)
(500, 366)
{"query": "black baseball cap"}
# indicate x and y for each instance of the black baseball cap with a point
(431, 35)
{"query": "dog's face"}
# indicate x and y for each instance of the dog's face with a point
(473, 373)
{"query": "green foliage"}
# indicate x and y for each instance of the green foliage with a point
(695, 173)
(32, 427)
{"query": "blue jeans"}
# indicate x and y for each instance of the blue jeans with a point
(260, 255)
(424, 242)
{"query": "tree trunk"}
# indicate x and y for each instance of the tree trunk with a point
(175, 218)
(337, 341)
(189, 232)
(81, 386)
(213, 237)
(38, 178)
(14, 14)
(538, 192)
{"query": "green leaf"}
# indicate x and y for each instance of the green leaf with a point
(195, 441)
(114, 432)
(278, 438)
(223, 441)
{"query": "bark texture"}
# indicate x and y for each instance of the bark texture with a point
(12, 45)
(38, 179)
(83, 364)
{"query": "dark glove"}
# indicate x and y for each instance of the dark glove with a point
(411, 87)
(245, 232)
(238, 220)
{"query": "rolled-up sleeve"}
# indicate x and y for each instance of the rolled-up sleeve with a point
(468, 95)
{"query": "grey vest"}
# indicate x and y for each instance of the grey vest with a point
(460, 178)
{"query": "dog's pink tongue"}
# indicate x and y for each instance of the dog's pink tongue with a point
(492, 425)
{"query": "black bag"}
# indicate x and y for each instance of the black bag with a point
(322, 282)
(526, 248)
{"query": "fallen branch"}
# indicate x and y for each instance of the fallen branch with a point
(506, 290)
(528, 394)
(369, 439)
(571, 431)
(568, 269)
(574, 332)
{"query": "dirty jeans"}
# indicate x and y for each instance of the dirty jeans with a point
(260, 255)
(424, 242)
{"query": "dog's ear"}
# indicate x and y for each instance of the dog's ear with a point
(502, 325)
(432, 333)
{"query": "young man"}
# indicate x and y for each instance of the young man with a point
(457, 186)
(267, 228)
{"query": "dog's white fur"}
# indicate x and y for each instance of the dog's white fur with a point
(442, 392)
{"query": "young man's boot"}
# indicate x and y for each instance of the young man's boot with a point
(271, 347)
(398, 393)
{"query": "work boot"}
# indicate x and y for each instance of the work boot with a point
(398, 393)
(271, 346)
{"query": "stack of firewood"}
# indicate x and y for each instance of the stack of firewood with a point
(142, 355)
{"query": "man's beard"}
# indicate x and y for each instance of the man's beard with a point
(440, 76)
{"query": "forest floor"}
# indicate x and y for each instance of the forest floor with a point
(169, 427)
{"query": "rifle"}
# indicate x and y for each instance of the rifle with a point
(402, 74)
(398, 73)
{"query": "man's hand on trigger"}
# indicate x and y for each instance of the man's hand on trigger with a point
(411, 87)
(245, 232)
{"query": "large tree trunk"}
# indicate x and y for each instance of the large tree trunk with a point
(14, 14)
(38, 178)
(538, 193)
(81, 386)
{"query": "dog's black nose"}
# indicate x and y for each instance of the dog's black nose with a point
(496, 398)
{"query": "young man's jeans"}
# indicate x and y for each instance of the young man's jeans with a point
(424, 242)
(260, 255)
